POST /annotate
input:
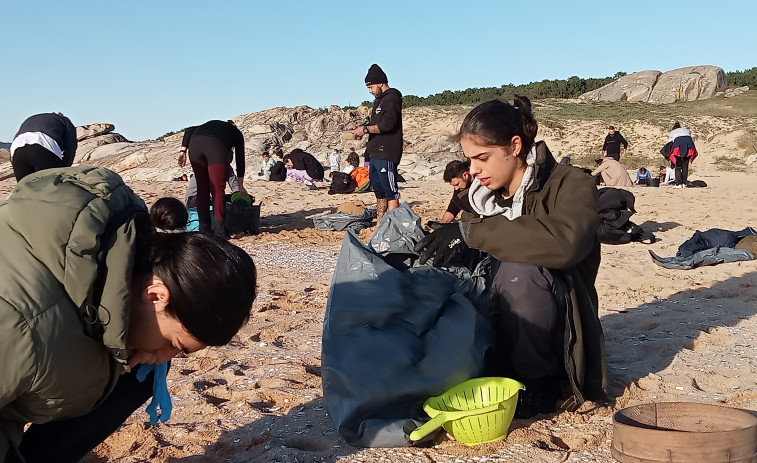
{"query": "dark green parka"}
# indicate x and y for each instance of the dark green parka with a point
(53, 228)
(558, 231)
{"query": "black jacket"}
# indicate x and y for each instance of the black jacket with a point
(302, 160)
(278, 172)
(387, 114)
(612, 144)
(342, 183)
(57, 127)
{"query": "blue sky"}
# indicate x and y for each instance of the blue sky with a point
(151, 67)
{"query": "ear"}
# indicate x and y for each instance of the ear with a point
(156, 293)
(516, 145)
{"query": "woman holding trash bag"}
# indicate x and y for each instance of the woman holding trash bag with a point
(539, 220)
(91, 291)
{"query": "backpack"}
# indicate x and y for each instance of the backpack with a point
(342, 183)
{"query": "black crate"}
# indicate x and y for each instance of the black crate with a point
(242, 218)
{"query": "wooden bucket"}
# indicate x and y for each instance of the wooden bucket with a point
(677, 432)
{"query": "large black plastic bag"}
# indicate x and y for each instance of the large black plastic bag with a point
(398, 232)
(392, 338)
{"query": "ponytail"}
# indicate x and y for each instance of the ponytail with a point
(496, 122)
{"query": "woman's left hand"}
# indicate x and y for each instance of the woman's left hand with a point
(444, 244)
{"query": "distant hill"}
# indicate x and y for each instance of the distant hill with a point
(5, 145)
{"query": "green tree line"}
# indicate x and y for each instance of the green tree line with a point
(741, 78)
(566, 88)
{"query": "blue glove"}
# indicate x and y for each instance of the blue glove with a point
(160, 396)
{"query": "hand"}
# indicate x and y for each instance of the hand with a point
(183, 158)
(360, 131)
(444, 244)
(350, 127)
(242, 189)
(141, 357)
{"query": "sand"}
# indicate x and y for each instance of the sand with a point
(672, 335)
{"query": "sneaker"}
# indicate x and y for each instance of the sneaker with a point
(311, 187)
(678, 186)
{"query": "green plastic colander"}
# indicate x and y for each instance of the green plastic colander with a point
(474, 412)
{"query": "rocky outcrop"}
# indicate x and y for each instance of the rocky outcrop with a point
(732, 92)
(684, 84)
(427, 137)
(635, 87)
(688, 84)
(428, 147)
(93, 130)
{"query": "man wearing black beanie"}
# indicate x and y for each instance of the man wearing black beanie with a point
(384, 147)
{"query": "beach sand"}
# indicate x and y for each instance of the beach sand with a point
(672, 335)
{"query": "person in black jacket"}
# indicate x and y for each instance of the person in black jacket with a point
(209, 147)
(384, 147)
(612, 144)
(44, 141)
(303, 167)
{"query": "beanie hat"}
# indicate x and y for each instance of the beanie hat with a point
(375, 76)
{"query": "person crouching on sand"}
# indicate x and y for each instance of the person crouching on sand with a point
(540, 222)
(92, 296)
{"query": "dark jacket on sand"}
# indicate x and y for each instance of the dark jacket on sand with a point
(558, 231)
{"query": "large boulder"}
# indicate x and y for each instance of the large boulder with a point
(684, 84)
(688, 84)
(634, 87)
(93, 130)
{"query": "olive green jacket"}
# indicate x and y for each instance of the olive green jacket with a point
(55, 230)
(558, 231)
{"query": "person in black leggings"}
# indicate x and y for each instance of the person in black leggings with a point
(210, 152)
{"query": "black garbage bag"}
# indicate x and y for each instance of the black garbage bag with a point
(393, 337)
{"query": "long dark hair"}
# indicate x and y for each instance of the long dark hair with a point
(211, 281)
(496, 122)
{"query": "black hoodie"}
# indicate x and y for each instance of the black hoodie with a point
(387, 114)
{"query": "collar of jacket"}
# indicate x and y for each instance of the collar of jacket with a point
(544, 165)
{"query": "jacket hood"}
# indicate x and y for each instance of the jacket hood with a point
(544, 165)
